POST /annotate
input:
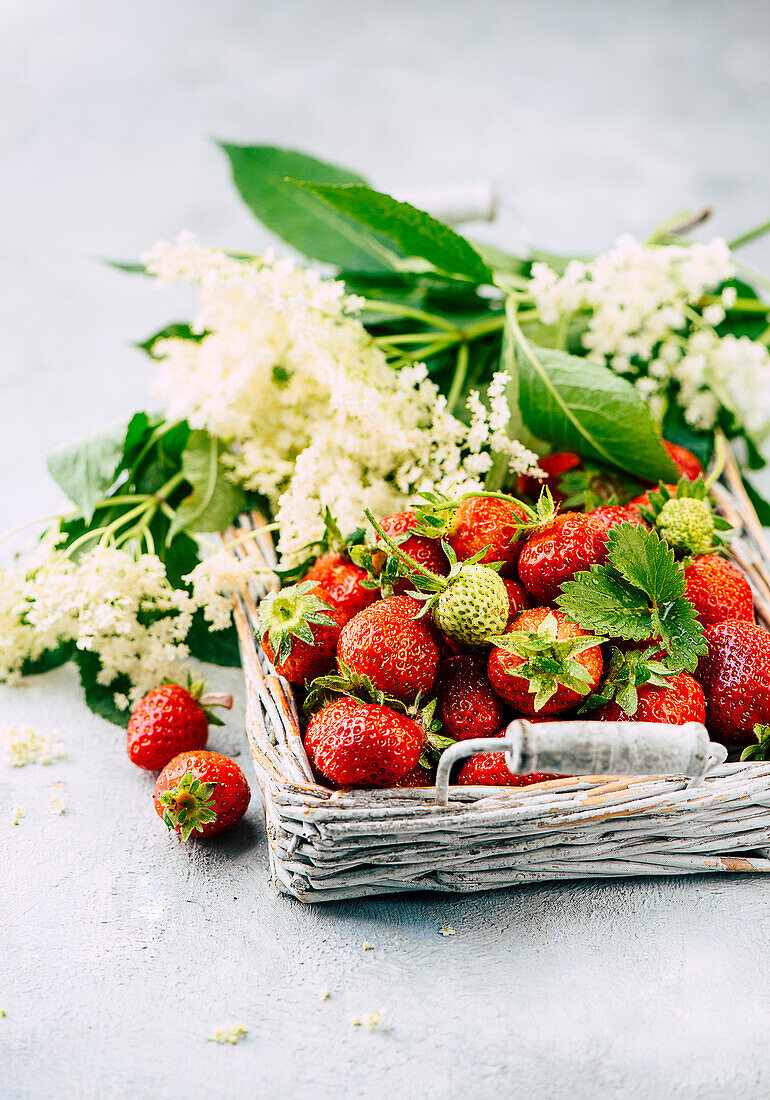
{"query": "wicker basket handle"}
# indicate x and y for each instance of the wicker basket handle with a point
(592, 748)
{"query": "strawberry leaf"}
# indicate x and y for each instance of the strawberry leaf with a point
(639, 594)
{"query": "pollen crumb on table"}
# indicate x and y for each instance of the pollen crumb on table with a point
(447, 930)
(18, 814)
(370, 1022)
(23, 746)
(229, 1033)
(366, 946)
(324, 993)
(55, 802)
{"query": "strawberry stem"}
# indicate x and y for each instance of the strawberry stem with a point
(399, 553)
(216, 699)
(187, 808)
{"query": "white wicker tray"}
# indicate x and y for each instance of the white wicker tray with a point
(327, 845)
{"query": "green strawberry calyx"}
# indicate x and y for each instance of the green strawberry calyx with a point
(760, 751)
(548, 660)
(291, 613)
(188, 807)
(625, 674)
(196, 689)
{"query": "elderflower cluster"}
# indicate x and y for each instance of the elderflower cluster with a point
(312, 414)
(120, 608)
(639, 301)
(216, 578)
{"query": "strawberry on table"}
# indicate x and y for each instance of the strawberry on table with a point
(201, 792)
(342, 581)
(386, 642)
(356, 744)
(545, 664)
(568, 544)
(735, 676)
(680, 700)
(718, 590)
(467, 704)
(169, 720)
(299, 631)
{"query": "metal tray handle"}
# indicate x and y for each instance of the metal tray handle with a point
(592, 748)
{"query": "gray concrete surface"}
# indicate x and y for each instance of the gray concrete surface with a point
(120, 951)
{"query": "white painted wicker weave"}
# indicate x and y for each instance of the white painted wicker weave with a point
(327, 845)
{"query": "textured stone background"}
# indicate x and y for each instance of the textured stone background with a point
(120, 950)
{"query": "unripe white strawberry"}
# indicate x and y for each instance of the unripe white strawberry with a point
(473, 607)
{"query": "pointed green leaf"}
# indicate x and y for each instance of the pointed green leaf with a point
(301, 219)
(412, 231)
(213, 501)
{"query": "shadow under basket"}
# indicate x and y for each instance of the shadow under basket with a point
(327, 845)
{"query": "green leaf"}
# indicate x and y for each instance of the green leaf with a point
(86, 470)
(179, 330)
(599, 599)
(299, 218)
(218, 647)
(52, 658)
(584, 407)
(213, 501)
(414, 232)
(180, 557)
(100, 699)
(760, 505)
(647, 562)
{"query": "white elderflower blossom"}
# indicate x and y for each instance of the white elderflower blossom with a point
(120, 608)
(638, 303)
(216, 578)
(313, 415)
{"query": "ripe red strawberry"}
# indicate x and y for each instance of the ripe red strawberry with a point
(613, 514)
(426, 552)
(681, 702)
(169, 720)
(546, 664)
(489, 769)
(398, 653)
(643, 501)
(467, 704)
(480, 522)
(417, 777)
(553, 465)
(568, 544)
(718, 590)
(356, 744)
(735, 675)
(518, 598)
(201, 792)
(300, 628)
(688, 465)
(341, 580)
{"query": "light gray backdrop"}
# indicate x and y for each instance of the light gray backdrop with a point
(119, 950)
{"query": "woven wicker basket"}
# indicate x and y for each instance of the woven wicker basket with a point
(327, 845)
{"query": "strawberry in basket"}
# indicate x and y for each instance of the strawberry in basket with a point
(343, 583)
(357, 744)
(735, 675)
(568, 544)
(300, 628)
(718, 590)
(392, 646)
(545, 664)
(467, 705)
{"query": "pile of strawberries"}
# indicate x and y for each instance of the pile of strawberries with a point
(443, 623)
(197, 793)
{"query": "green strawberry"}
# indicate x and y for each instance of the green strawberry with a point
(687, 523)
(470, 604)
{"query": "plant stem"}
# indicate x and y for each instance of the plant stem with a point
(458, 379)
(396, 310)
(395, 549)
(740, 305)
(751, 235)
